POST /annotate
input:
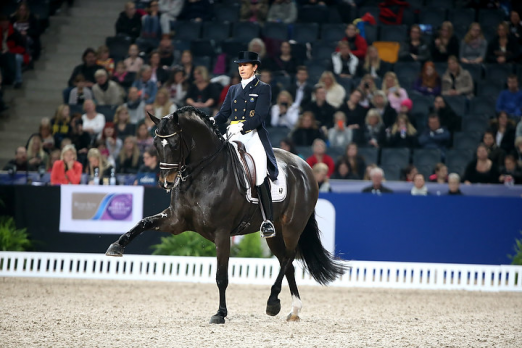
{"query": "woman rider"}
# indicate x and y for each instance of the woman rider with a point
(247, 105)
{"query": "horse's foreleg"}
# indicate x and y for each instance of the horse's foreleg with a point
(148, 223)
(222, 241)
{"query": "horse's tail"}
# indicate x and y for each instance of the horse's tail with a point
(321, 264)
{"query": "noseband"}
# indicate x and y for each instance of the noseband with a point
(181, 163)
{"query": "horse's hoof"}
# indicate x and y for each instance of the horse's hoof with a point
(115, 250)
(292, 317)
(274, 308)
(217, 319)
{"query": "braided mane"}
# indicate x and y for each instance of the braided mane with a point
(204, 117)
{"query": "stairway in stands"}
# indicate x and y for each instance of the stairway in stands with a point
(71, 31)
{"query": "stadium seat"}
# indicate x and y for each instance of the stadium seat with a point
(277, 31)
(315, 70)
(419, 120)
(440, 68)
(332, 32)
(392, 172)
(108, 111)
(369, 154)
(305, 151)
(422, 157)
(460, 30)
(483, 105)
(205, 61)
(313, 14)
(454, 157)
(498, 72)
(245, 31)
(282, 80)
(475, 124)
(147, 45)
(373, 10)
(407, 72)
(463, 16)
(489, 88)
(475, 70)
(187, 30)
(465, 141)
(323, 50)
(216, 31)
(306, 32)
(397, 33)
(118, 47)
(458, 103)
(299, 51)
(202, 48)
(416, 4)
(276, 134)
(388, 51)
(490, 18)
(447, 4)
(398, 156)
(231, 47)
(228, 14)
(370, 33)
(346, 83)
(426, 170)
(335, 152)
(421, 104)
(433, 16)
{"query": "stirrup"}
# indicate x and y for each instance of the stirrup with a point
(267, 229)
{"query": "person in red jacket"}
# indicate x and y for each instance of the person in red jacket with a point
(358, 45)
(68, 170)
(320, 156)
(12, 43)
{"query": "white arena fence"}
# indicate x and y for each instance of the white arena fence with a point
(368, 274)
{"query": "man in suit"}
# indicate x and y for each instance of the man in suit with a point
(301, 91)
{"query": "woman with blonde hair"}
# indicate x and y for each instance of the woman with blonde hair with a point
(402, 133)
(444, 44)
(60, 123)
(473, 47)
(97, 164)
(103, 59)
(335, 93)
(321, 176)
(373, 133)
(129, 160)
(307, 130)
(162, 104)
(122, 122)
(67, 170)
(395, 94)
(373, 64)
(202, 94)
(36, 156)
(285, 113)
(368, 88)
(93, 122)
(504, 46)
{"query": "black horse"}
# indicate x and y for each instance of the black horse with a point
(202, 170)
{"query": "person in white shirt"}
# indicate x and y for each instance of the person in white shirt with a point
(285, 113)
(93, 122)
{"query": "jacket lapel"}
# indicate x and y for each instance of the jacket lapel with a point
(249, 87)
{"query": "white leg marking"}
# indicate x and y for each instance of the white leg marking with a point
(296, 308)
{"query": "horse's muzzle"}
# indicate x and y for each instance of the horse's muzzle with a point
(168, 181)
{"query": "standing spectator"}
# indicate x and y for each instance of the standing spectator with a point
(284, 11)
(495, 153)
(97, 161)
(368, 88)
(80, 92)
(419, 186)
(60, 123)
(301, 91)
(457, 81)
(254, 11)
(147, 89)
(448, 118)
(473, 47)
(441, 174)
(515, 26)
(106, 92)
(129, 160)
(133, 63)
(402, 133)
(177, 86)
(167, 53)
(202, 94)
(504, 47)
(129, 22)
(67, 171)
(122, 123)
(36, 156)
(377, 188)
(162, 104)
(393, 90)
(87, 69)
(372, 133)
(445, 44)
(354, 112)
(12, 51)
(306, 131)
(340, 135)
(170, 10)
(435, 136)
(335, 93)
(285, 63)
(135, 105)
(322, 111)
(319, 156)
(19, 163)
(285, 112)
(93, 122)
(321, 176)
(27, 24)
(373, 64)
(510, 100)
(343, 171)
(143, 138)
(150, 168)
(510, 173)
(159, 75)
(380, 102)
(344, 64)
(414, 49)
(428, 82)
(197, 11)
(504, 132)
(453, 185)
(150, 23)
(357, 43)
(103, 59)
(481, 170)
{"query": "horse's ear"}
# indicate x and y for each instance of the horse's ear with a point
(154, 118)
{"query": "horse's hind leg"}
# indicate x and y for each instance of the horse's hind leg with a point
(296, 299)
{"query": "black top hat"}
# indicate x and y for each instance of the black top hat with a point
(248, 57)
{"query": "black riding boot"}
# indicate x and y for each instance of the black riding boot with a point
(265, 204)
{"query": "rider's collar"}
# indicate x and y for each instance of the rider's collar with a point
(244, 83)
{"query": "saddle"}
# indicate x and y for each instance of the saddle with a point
(249, 165)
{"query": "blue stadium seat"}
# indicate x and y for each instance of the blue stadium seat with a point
(465, 141)
(299, 51)
(395, 33)
(490, 18)
(483, 105)
(118, 47)
(108, 111)
(433, 16)
(245, 31)
(306, 32)
(323, 50)
(489, 88)
(146, 45)
(276, 134)
(475, 71)
(440, 68)
(332, 32)
(335, 152)
(422, 157)
(276, 31)
(187, 30)
(282, 80)
(216, 31)
(229, 14)
(398, 156)
(202, 48)
(392, 172)
(407, 72)
(458, 103)
(205, 61)
(455, 157)
(460, 30)
(419, 121)
(231, 47)
(313, 14)
(369, 154)
(416, 4)
(371, 33)
(305, 151)
(315, 70)
(426, 170)
(421, 103)
(475, 124)
(463, 16)
(440, 3)
(498, 72)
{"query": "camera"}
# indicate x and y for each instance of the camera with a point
(366, 85)
(284, 104)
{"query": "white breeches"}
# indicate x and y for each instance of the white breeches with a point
(255, 147)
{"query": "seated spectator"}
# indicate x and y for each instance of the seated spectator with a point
(202, 94)
(406, 106)
(167, 53)
(504, 132)
(434, 136)
(143, 139)
(147, 89)
(319, 156)
(112, 142)
(510, 173)
(27, 24)
(456, 80)
(372, 134)
(344, 63)
(129, 160)
(13, 53)
(504, 47)
(19, 163)
(67, 171)
(343, 171)
(357, 43)
(36, 156)
(135, 105)
(288, 145)
(103, 59)
(178, 86)
(518, 132)
(93, 122)
(448, 118)
(122, 122)
(354, 112)
(393, 90)
(473, 47)
(98, 166)
(321, 109)
(301, 91)
(377, 188)
(80, 92)
(495, 153)
(284, 11)
(79, 138)
(254, 11)
(162, 104)
(481, 170)
(518, 151)
(419, 186)
(129, 22)
(515, 26)
(121, 76)
(368, 88)
(453, 185)
(444, 44)
(441, 174)
(335, 93)
(407, 174)
(373, 64)
(354, 160)
(367, 171)
(133, 63)
(258, 46)
(340, 135)
(285, 113)
(414, 49)
(402, 133)
(46, 134)
(159, 75)
(60, 123)
(55, 156)
(428, 82)
(150, 23)
(321, 176)
(266, 77)
(510, 100)
(284, 63)
(148, 174)
(306, 130)
(197, 11)
(87, 69)
(106, 92)
(170, 10)
(380, 102)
